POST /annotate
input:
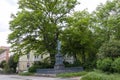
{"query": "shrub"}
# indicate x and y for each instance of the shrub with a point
(75, 64)
(6, 68)
(110, 49)
(116, 65)
(105, 64)
(2, 64)
(38, 65)
(98, 76)
(33, 68)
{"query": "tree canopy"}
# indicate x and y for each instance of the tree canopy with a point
(38, 24)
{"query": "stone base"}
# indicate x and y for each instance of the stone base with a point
(59, 67)
(57, 71)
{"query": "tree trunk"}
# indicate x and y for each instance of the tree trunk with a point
(83, 56)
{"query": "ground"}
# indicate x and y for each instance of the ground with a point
(17, 77)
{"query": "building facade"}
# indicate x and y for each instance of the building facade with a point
(28, 60)
(4, 53)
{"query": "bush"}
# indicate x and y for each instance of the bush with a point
(100, 76)
(2, 64)
(75, 64)
(116, 65)
(105, 64)
(110, 49)
(33, 68)
(39, 65)
(6, 69)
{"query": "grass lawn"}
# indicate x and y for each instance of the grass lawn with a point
(100, 76)
(72, 74)
(94, 75)
(26, 74)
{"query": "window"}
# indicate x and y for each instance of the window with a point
(36, 56)
(28, 56)
(41, 56)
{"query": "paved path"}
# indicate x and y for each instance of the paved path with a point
(17, 77)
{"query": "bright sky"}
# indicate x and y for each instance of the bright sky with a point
(10, 6)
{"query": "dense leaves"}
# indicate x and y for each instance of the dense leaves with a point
(77, 37)
(38, 24)
(116, 65)
(105, 64)
(110, 49)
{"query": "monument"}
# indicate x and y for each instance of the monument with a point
(59, 66)
(59, 58)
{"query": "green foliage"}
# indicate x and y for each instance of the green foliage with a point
(38, 24)
(116, 65)
(76, 38)
(6, 69)
(39, 65)
(100, 76)
(12, 64)
(107, 19)
(105, 64)
(110, 49)
(72, 74)
(75, 64)
(2, 64)
(33, 68)
(26, 74)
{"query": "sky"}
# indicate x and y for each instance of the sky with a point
(9, 7)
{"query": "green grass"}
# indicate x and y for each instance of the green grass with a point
(26, 74)
(100, 76)
(72, 74)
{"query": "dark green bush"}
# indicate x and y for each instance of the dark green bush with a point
(75, 64)
(105, 64)
(33, 68)
(116, 65)
(39, 65)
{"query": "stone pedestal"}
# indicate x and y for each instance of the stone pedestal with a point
(58, 58)
(59, 62)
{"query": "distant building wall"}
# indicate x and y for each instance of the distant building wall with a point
(28, 60)
(4, 55)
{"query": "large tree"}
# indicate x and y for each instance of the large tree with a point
(77, 38)
(107, 21)
(38, 24)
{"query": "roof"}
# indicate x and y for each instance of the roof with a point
(2, 50)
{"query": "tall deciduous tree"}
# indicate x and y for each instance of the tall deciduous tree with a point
(107, 20)
(77, 39)
(38, 24)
